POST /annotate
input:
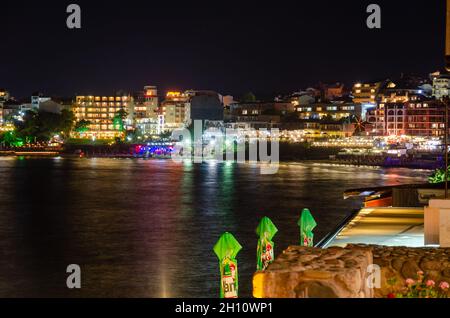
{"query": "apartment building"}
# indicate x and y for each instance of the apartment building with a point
(100, 112)
(418, 116)
(146, 111)
(366, 93)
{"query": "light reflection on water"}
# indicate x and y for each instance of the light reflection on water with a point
(146, 228)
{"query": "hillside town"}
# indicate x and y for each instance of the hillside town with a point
(391, 116)
(409, 105)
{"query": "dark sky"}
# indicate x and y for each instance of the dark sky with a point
(228, 46)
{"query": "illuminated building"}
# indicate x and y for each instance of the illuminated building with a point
(441, 85)
(37, 99)
(365, 93)
(100, 112)
(4, 96)
(146, 111)
(303, 98)
(335, 111)
(254, 110)
(173, 110)
(146, 106)
(418, 116)
(318, 130)
(259, 114)
(10, 108)
(226, 100)
(181, 109)
(405, 107)
(333, 91)
(204, 105)
(399, 91)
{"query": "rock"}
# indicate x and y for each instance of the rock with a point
(430, 265)
(351, 279)
(397, 263)
(342, 272)
(336, 262)
(318, 274)
(433, 275)
(315, 290)
(446, 272)
(410, 269)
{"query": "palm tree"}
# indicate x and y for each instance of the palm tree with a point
(119, 119)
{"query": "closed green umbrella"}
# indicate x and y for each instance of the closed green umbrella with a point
(307, 225)
(266, 230)
(226, 249)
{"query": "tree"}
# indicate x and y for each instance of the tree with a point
(249, 98)
(82, 126)
(438, 176)
(119, 119)
(10, 139)
(67, 122)
(327, 118)
(42, 126)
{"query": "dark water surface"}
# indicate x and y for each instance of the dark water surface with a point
(146, 228)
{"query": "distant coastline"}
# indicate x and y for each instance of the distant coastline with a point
(289, 152)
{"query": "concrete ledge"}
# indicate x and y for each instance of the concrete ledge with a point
(437, 223)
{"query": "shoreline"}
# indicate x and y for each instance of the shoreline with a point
(288, 152)
(334, 162)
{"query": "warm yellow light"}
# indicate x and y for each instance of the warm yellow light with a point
(173, 94)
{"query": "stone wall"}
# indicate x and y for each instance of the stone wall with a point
(405, 262)
(304, 272)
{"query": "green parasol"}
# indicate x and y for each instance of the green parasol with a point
(307, 225)
(226, 249)
(264, 252)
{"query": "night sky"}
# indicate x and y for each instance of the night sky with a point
(228, 46)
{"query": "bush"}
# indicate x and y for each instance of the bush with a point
(419, 288)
